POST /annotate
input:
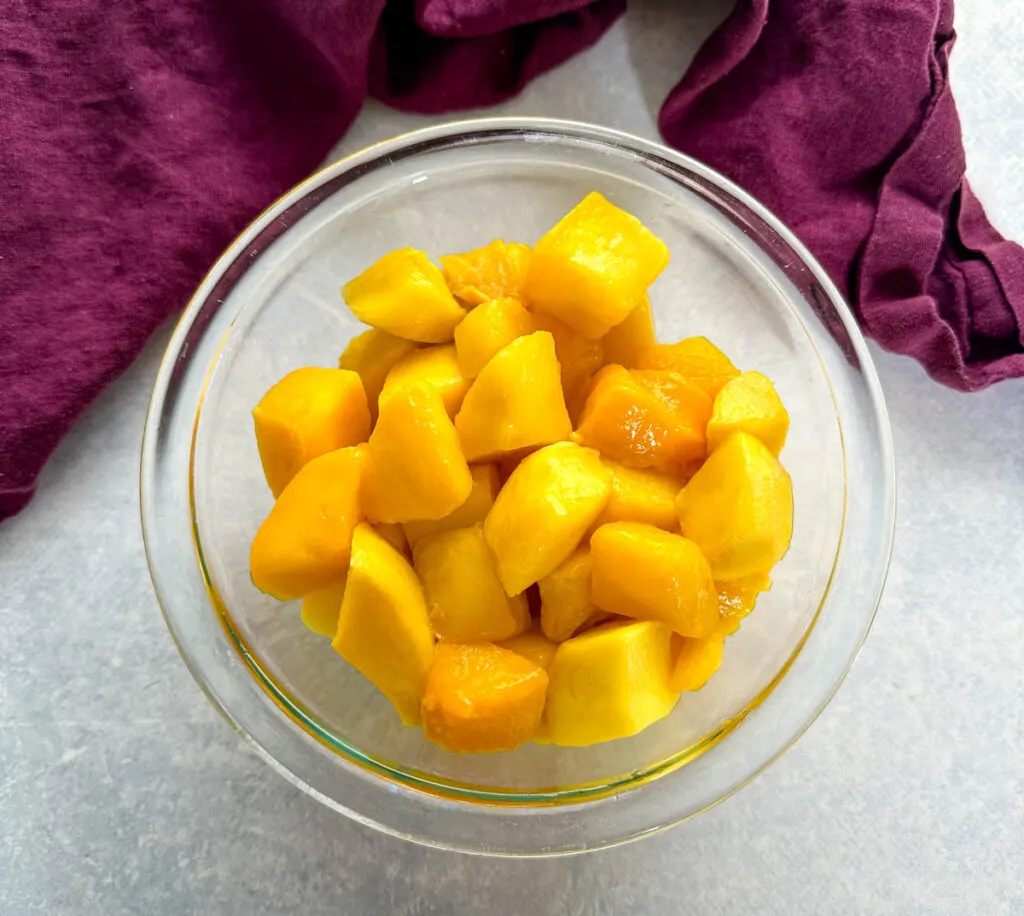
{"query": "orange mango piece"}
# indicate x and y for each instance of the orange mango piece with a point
(372, 355)
(695, 661)
(643, 572)
(487, 329)
(405, 294)
(591, 269)
(515, 402)
(482, 698)
(473, 510)
(320, 609)
(383, 627)
(624, 343)
(736, 600)
(640, 495)
(496, 271)
(565, 597)
(738, 508)
(749, 403)
(435, 367)
(534, 645)
(416, 468)
(696, 359)
(304, 543)
(308, 413)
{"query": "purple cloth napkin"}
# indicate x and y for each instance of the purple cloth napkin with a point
(138, 138)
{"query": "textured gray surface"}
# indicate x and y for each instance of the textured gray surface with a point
(122, 791)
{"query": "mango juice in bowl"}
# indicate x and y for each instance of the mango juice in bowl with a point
(272, 305)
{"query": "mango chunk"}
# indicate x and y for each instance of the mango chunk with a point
(643, 572)
(749, 403)
(435, 367)
(695, 661)
(736, 600)
(383, 627)
(591, 269)
(579, 358)
(473, 510)
(534, 645)
(465, 599)
(696, 359)
(641, 496)
(308, 413)
(394, 534)
(646, 420)
(496, 271)
(610, 682)
(565, 603)
(624, 343)
(482, 698)
(320, 609)
(543, 511)
(486, 330)
(304, 543)
(372, 355)
(416, 469)
(405, 294)
(738, 508)
(515, 402)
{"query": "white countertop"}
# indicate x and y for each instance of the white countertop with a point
(122, 790)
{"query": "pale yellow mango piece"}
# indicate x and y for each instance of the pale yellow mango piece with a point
(473, 510)
(543, 511)
(624, 343)
(435, 367)
(534, 645)
(565, 603)
(591, 269)
(738, 508)
(515, 402)
(320, 609)
(465, 600)
(487, 329)
(495, 271)
(416, 469)
(304, 543)
(383, 627)
(372, 355)
(610, 682)
(643, 572)
(405, 294)
(641, 495)
(749, 403)
(695, 661)
(308, 413)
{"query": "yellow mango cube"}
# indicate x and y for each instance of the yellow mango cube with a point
(624, 343)
(749, 403)
(383, 627)
(320, 609)
(643, 572)
(465, 599)
(304, 543)
(579, 358)
(534, 645)
(435, 367)
(482, 699)
(738, 508)
(565, 603)
(372, 355)
(695, 661)
(543, 511)
(697, 359)
(474, 509)
(496, 271)
(416, 469)
(308, 413)
(610, 682)
(641, 495)
(515, 402)
(486, 330)
(591, 269)
(405, 294)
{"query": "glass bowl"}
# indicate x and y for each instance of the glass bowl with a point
(272, 304)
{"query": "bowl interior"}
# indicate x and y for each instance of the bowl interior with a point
(288, 313)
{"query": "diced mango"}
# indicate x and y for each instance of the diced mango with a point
(646, 421)
(736, 600)
(543, 511)
(515, 402)
(320, 609)
(624, 344)
(435, 367)
(465, 599)
(487, 329)
(383, 627)
(695, 661)
(372, 354)
(640, 495)
(405, 294)
(643, 572)
(473, 510)
(579, 358)
(308, 413)
(749, 403)
(738, 508)
(565, 597)
(482, 698)
(495, 271)
(534, 645)
(304, 543)
(610, 682)
(394, 534)
(592, 267)
(416, 469)
(696, 359)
